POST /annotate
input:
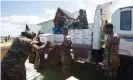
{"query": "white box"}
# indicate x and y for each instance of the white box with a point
(78, 36)
(69, 32)
(46, 37)
(75, 31)
(58, 38)
(90, 26)
(86, 42)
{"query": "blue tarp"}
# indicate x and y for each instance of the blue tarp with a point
(57, 30)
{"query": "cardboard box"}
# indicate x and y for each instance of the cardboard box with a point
(46, 37)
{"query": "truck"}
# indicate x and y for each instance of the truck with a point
(86, 43)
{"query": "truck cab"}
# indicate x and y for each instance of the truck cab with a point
(122, 21)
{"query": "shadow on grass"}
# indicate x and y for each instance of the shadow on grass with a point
(51, 72)
(80, 71)
(86, 71)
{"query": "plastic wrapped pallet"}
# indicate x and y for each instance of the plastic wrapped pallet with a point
(46, 37)
(74, 40)
(86, 32)
(91, 26)
(76, 36)
(81, 36)
(80, 41)
(69, 31)
(58, 38)
(75, 31)
(86, 41)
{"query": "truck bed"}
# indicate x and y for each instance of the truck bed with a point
(81, 52)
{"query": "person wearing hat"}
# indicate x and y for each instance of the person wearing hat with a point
(13, 64)
(111, 58)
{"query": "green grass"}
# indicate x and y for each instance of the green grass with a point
(51, 73)
(79, 71)
(42, 76)
(9, 41)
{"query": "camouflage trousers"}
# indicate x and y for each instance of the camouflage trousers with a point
(14, 74)
(111, 73)
(66, 62)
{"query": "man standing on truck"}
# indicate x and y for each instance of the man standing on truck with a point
(82, 20)
(111, 59)
(60, 22)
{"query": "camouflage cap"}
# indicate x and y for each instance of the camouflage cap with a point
(27, 33)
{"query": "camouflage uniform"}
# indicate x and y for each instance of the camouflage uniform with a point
(66, 55)
(36, 57)
(12, 65)
(111, 59)
(82, 21)
(39, 56)
(32, 53)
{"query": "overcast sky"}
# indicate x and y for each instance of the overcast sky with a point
(15, 14)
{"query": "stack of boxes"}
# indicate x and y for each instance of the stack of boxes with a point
(58, 37)
(46, 37)
(78, 36)
(91, 26)
(81, 36)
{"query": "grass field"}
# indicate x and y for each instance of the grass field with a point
(52, 73)
(86, 71)
(9, 41)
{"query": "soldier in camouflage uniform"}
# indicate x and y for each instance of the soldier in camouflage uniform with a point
(32, 53)
(66, 55)
(13, 64)
(111, 59)
(39, 54)
(82, 20)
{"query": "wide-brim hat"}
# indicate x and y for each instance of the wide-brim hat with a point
(27, 33)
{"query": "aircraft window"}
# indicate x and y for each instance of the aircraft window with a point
(125, 21)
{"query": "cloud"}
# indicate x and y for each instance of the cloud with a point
(49, 13)
(120, 3)
(15, 19)
(14, 24)
(10, 29)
